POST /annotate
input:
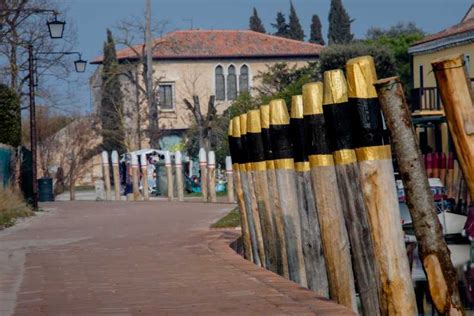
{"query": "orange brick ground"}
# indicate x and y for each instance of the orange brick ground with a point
(144, 258)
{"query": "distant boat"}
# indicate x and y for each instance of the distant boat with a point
(453, 224)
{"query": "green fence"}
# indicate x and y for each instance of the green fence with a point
(5, 164)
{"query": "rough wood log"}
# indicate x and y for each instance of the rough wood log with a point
(380, 193)
(253, 203)
(339, 118)
(434, 252)
(278, 217)
(116, 174)
(310, 231)
(235, 144)
(286, 180)
(334, 236)
(455, 89)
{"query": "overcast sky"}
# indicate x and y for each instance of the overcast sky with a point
(92, 17)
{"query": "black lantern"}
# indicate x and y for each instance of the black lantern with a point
(56, 28)
(80, 65)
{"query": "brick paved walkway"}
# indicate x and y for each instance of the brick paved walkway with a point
(146, 258)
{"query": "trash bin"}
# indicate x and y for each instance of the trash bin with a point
(45, 190)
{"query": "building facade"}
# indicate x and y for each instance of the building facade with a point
(457, 39)
(222, 63)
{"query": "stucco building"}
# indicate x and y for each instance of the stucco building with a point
(223, 63)
(457, 39)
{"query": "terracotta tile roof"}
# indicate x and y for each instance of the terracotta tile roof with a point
(466, 26)
(203, 44)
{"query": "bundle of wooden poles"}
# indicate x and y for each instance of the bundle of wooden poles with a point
(317, 196)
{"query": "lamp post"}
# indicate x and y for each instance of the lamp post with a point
(79, 65)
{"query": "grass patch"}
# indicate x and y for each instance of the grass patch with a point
(231, 220)
(85, 188)
(12, 206)
(197, 194)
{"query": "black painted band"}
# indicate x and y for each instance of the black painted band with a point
(267, 144)
(298, 139)
(340, 120)
(232, 149)
(281, 141)
(255, 147)
(317, 141)
(369, 128)
(244, 155)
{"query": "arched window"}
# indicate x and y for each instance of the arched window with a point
(244, 79)
(220, 83)
(231, 83)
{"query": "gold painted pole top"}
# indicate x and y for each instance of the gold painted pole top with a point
(279, 112)
(243, 124)
(335, 87)
(236, 126)
(297, 107)
(231, 132)
(361, 76)
(313, 98)
(265, 115)
(253, 121)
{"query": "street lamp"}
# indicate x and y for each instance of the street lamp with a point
(79, 64)
(55, 27)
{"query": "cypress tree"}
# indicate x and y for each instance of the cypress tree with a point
(282, 28)
(295, 29)
(339, 24)
(111, 111)
(10, 117)
(316, 33)
(255, 24)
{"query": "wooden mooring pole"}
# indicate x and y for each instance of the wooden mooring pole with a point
(334, 236)
(135, 171)
(310, 230)
(286, 180)
(178, 165)
(278, 216)
(203, 169)
(116, 174)
(339, 118)
(235, 145)
(380, 193)
(144, 166)
(252, 199)
(433, 250)
(106, 168)
(211, 176)
(169, 175)
(455, 89)
(230, 180)
(259, 176)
